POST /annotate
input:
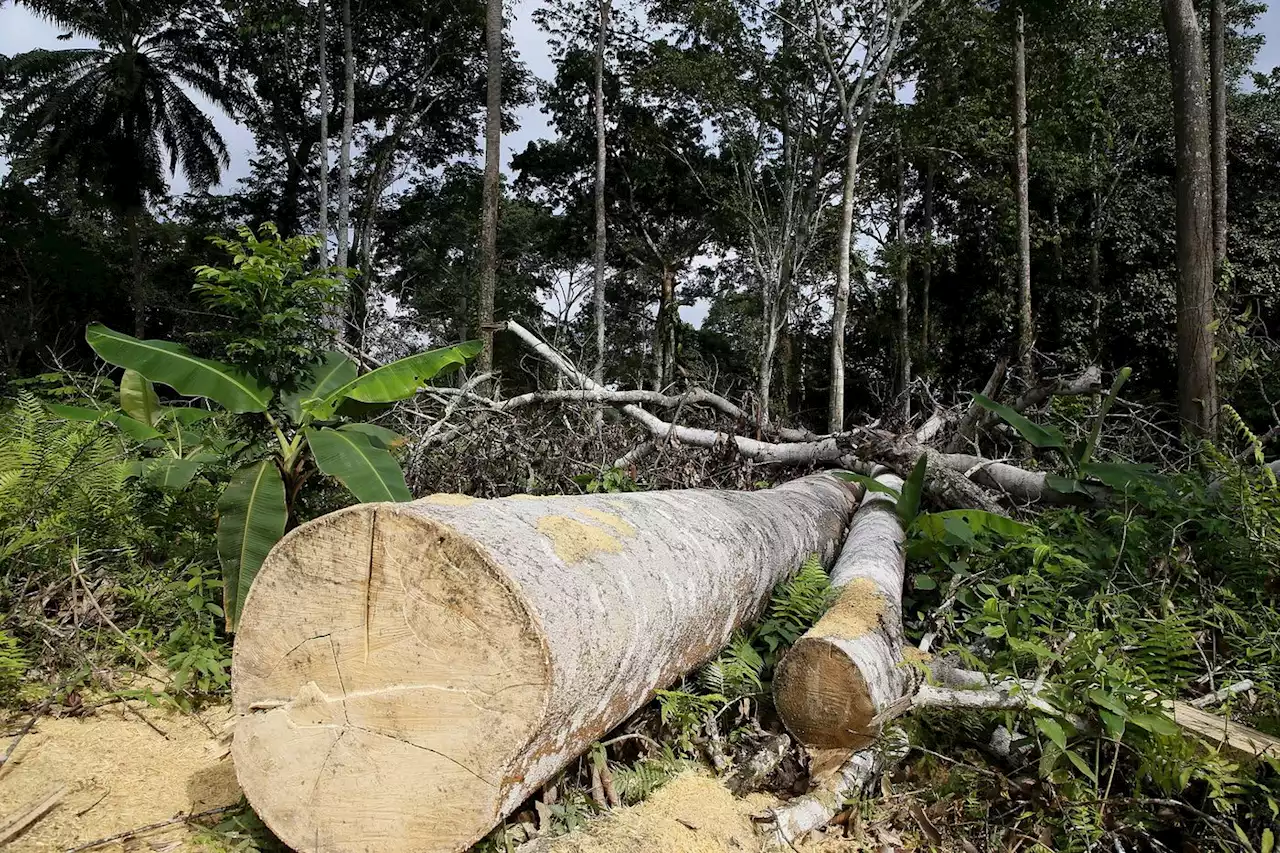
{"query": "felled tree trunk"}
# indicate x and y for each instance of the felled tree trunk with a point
(409, 673)
(848, 668)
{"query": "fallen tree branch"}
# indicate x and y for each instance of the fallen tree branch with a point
(784, 825)
(30, 815)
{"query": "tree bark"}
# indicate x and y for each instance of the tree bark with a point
(407, 674)
(844, 248)
(492, 158)
(344, 153)
(926, 263)
(1218, 153)
(1026, 323)
(1197, 373)
(138, 285)
(597, 285)
(903, 284)
(323, 189)
(847, 669)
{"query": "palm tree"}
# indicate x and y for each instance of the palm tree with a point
(116, 119)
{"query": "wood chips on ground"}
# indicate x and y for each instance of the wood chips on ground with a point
(120, 774)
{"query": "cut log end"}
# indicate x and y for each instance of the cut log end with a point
(387, 641)
(823, 697)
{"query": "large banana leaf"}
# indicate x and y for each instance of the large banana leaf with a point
(368, 471)
(398, 380)
(175, 366)
(136, 430)
(326, 377)
(380, 436)
(138, 398)
(251, 518)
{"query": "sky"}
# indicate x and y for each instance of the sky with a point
(20, 30)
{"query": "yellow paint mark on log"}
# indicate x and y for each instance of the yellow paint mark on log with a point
(450, 499)
(856, 612)
(609, 519)
(575, 540)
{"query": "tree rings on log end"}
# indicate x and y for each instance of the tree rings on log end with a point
(822, 697)
(423, 676)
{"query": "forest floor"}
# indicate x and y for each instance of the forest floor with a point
(124, 766)
(121, 773)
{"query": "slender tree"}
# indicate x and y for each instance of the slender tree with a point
(489, 203)
(903, 284)
(108, 118)
(323, 191)
(354, 312)
(926, 260)
(597, 293)
(1197, 375)
(877, 42)
(1026, 322)
(1218, 150)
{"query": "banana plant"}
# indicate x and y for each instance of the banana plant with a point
(311, 430)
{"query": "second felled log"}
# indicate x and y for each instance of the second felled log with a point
(848, 668)
(408, 674)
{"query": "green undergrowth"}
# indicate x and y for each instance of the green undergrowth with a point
(1167, 592)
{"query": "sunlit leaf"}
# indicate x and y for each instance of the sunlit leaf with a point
(368, 471)
(138, 398)
(175, 366)
(398, 380)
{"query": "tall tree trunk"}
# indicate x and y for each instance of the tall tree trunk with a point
(597, 284)
(1218, 101)
(1197, 376)
(903, 285)
(138, 287)
(857, 107)
(492, 158)
(844, 248)
(1095, 274)
(461, 652)
(664, 356)
(288, 212)
(1026, 328)
(322, 204)
(926, 264)
(354, 325)
(344, 154)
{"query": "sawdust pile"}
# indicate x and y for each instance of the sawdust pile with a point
(693, 813)
(120, 774)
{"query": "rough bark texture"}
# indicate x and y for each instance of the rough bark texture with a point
(597, 284)
(344, 152)
(138, 288)
(1197, 374)
(1218, 106)
(492, 156)
(847, 669)
(1026, 327)
(408, 674)
(902, 360)
(322, 13)
(926, 262)
(835, 419)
